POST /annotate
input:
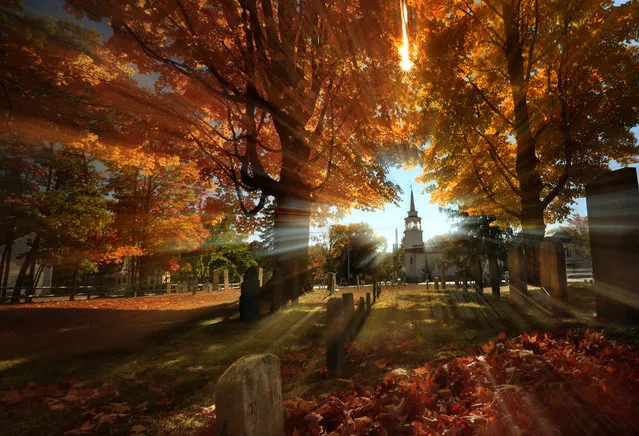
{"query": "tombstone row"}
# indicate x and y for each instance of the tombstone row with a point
(343, 322)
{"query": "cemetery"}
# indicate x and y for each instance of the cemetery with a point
(319, 218)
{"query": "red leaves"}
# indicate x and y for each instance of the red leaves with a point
(532, 381)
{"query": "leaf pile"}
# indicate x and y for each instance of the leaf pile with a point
(576, 383)
(99, 403)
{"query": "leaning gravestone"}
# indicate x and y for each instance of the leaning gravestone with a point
(248, 398)
(250, 296)
(552, 268)
(518, 283)
(613, 220)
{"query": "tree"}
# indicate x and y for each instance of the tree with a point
(158, 212)
(57, 195)
(526, 101)
(289, 102)
(577, 227)
(354, 248)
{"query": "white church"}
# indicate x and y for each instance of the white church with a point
(421, 262)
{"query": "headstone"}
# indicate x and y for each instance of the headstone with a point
(518, 283)
(226, 279)
(437, 283)
(248, 398)
(250, 296)
(216, 280)
(552, 264)
(349, 304)
(495, 281)
(335, 353)
(332, 283)
(260, 276)
(368, 300)
(168, 288)
(613, 218)
(477, 274)
(443, 271)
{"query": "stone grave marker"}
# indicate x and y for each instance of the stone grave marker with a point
(495, 279)
(250, 296)
(226, 279)
(552, 268)
(248, 398)
(613, 217)
(518, 282)
(443, 271)
(335, 352)
(216, 280)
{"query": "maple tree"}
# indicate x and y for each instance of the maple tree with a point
(289, 102)
(158, 212)
(525, 101)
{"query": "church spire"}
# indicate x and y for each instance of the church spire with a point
(412, 201)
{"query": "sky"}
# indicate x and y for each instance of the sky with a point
(434, 222)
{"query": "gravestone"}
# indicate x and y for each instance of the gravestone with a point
(168, 288)
(436, 283)
(443, 271)
(250, 296)
(332, 283)
(552, 268)
(613, 217)
(477, 275)
(248, 398)
(517, 282)
(216, 280)
(349, 304)
(260, 276)
(335, 353)
(226, 279)
(349, 309)
(493, 270)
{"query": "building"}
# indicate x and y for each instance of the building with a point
(415, 267)
(422, 262)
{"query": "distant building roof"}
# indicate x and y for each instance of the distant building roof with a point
(561, 234)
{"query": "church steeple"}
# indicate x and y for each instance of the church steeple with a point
(412, 201)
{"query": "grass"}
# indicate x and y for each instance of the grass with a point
(182, 364)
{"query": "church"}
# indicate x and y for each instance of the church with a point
(415, 267)
(421, 262)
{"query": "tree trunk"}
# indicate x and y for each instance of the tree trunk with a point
(526, 166)
(493, 270)
(6, 264)
(74, 284)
